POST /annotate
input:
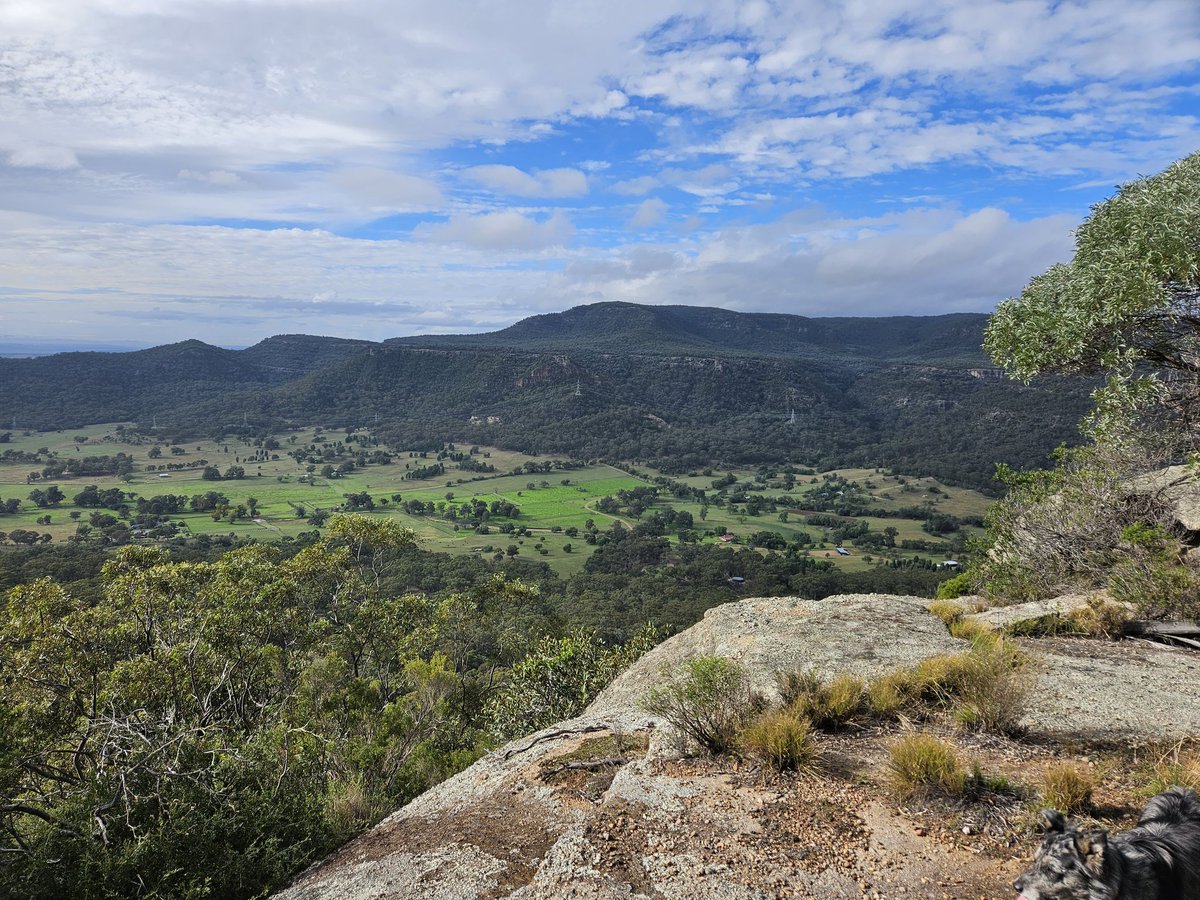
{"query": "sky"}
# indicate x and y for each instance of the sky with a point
(232, 169)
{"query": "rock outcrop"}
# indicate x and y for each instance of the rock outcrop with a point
(603, 806)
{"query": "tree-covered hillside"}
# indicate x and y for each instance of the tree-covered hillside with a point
(679, 386)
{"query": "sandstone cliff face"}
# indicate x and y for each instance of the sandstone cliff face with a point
(603, 806)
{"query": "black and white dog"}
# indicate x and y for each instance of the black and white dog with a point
(1159, 859)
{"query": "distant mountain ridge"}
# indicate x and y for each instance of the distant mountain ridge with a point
(630, 327)
(684, 387)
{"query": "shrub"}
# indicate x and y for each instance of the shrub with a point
(558, 678)
(781, 739)
(960, 585)
(708, 701)
(1099, 520)
(921, 763)
(1150, 576)
(1067, 788)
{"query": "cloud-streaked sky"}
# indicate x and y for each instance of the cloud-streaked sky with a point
(233, 169)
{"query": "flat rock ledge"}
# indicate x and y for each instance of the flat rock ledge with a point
(650, 824)
(1007, 618)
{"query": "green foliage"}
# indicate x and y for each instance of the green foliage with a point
(1124, 307)
(959, 586)
(558, 678)
(707, 699)
(207, 728)
(1098, 520)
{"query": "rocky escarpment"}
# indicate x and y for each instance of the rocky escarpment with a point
(604, 806)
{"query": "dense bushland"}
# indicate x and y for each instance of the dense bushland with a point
(205, 728)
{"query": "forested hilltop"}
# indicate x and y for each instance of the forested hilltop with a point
(675, 386)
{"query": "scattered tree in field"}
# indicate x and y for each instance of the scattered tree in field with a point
(51, 496)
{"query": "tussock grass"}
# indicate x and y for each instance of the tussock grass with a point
(833, 706)
(984, 689)
(1176, 768)
(1101, 618)
(946, 610)
(890, 695)
(970, 630)
(920, 763)
(348, 806)
(781, 739)
(1067, 788)
(994, 693)
(798, 684)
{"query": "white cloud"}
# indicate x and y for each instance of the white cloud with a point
(545, 183)
(382, 191)
(636, 187)
(649, 212)
(911, 263)
(337, 114)
(216, 178)
(703, 77)
(710, 181)
(505, 230)
(43, 157)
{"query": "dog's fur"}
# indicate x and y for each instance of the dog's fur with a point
(1157, 860)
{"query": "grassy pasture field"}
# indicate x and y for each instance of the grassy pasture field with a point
(558, 499)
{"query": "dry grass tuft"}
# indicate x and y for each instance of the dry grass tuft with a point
(971, 630)
(921, 763)
(828, 706)
(1177, 768)
(946, 610)
(1101, 618)
(1067, 788)
(782, 740)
